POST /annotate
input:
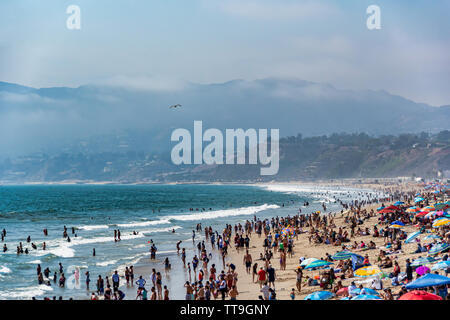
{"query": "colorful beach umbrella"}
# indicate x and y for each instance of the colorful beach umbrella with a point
(380, 208)
(422, 270)
(367, 271)
(440, 222)
(366, 297)
(428, 280)
(342, 255)
(422, 261)
(441, 265)
(396, 226)
(412, 209)
(317, 264)
(412, 236)
(418, 199)
(319, 295)
(419, 295)
(438, 248)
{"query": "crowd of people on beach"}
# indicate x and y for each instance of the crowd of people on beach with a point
(275, 238)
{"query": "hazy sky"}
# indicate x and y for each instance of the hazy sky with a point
(163, 42)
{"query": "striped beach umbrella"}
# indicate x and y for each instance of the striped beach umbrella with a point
(442, 265)
(431, 237)
(320, 295)
(422, 261)
(342, 255)
(366, 297)
(440, 222)
(440, 247)
(367, 271)
(317, 264)
(412, 209)
(412, 236)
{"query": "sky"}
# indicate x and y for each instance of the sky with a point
(163, 43)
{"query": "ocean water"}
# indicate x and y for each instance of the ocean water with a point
(151, 210)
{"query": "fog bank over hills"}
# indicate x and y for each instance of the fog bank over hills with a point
(95, 118)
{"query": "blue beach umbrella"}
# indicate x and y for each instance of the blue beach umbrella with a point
(418, 199)
(367, 291)
(441, 265)
(412, 236)
(366, 297)
(319, 295)
(431, 237)
(440, 247)
(317, 264)
(428, 280)
(398, 203)
(397, 222)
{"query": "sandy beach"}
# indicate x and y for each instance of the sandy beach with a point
(286, 279)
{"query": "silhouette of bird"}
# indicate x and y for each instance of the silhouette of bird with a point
(175, 106)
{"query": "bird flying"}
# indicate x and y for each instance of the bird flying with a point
(175, 106)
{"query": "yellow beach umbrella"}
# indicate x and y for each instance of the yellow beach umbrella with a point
(367, 271)
(441, 222)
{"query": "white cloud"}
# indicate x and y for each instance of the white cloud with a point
(275, 10)
(142, 83)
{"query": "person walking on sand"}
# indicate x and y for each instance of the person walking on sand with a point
(299, 272)
(261, 277)
(248, 261)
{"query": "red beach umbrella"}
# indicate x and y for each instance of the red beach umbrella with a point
(419, 295)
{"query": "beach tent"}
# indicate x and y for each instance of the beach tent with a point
(412, 236)
(428, 280)
(419, 295)
(357, 261)
(319, 295)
